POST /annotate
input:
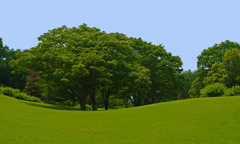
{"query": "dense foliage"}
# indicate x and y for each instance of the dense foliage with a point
(208, 62)
(6, 77)
(82, 61)
(85, 65)
(214, 90)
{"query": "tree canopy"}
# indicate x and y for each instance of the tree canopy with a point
(206, 60)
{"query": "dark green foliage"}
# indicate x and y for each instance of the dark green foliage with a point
(214, 90)
(8, 79)
(31, 87)
(189, 76)
(165, 72)
(68, 103)
(113, 102)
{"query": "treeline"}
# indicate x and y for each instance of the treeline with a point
(6, 77)
(81, 62)
(86, 65)
(217, 74)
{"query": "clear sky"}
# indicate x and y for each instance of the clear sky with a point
(184, 27)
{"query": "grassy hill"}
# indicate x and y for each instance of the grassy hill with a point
(205, 120)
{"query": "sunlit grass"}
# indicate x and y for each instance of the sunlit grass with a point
(204, 120)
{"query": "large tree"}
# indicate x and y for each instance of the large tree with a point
(165, 70)
(78, 60)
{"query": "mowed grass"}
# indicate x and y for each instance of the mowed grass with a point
(204, 120)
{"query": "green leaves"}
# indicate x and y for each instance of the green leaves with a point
(208, 58)
(213, 90)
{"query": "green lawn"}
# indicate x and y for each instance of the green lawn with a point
(204, 120)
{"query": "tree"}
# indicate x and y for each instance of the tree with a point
(205, 61)
(121, 61)
(137, 85)
(31, 88)
(79, 60)
(189, 77)
(227, 72)
(6, 77)
(165, 70)
(64, 58)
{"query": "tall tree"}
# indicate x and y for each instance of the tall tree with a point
(165, 70)
(31, 88)
(120, 63)
(78, 60)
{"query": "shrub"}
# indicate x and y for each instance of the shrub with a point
(24, 96)
(16, 91)
(8, 91)
(1, 89)
(214, 90)
(236, 90)
(115, 102)
(21, 96)
(18, 94)
(68, 103)
(35, 99)
(229, 92)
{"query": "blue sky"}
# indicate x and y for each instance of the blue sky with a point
(184, 27)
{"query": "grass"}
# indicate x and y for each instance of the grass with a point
(204, 120)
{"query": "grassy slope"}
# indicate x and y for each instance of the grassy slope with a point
(206, 120)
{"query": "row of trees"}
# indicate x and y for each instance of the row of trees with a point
(6, 77)
(81, 61)
(85, 62)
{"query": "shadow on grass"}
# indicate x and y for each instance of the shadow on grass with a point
(55, 107)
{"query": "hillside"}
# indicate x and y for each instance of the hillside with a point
(205, 120)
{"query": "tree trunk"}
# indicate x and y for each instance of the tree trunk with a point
(106, 103)
(82, 105)
(73, 99)
(82, 102)
(92, 96)
(137, 100)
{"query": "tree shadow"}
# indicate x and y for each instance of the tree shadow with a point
(56, 107)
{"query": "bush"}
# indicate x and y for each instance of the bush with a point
(115, 102)
(214, 90)
(229, 92)
(68, 103)
(1, 89)
(16, 91)
(18, 94)
(24, 96)
(8, 91)
(236, 90)
(35, 99)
